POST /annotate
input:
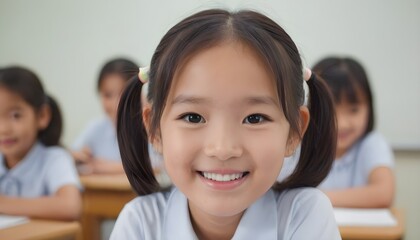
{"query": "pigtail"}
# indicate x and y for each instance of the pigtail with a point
(50, 136)
(133, 141)
(319, 142)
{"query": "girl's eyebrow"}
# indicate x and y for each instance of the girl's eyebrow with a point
(188, 99)
(15, 108)
(253, 100)
(264, 100)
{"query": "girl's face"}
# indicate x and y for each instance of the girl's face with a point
(19, 125)
(223, 132)
(110, 92)
(352, 121)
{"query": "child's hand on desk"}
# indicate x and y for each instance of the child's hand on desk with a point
(83, 156)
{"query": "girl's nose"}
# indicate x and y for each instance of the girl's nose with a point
(223, 143)
(342, 121)
(4, 126)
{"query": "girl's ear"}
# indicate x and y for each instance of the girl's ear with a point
(295, 138)
(44, 117)
(155, 140)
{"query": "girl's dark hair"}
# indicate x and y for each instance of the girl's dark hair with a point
(27, 85)
(348, 81)
(204, 30)
(120, 66)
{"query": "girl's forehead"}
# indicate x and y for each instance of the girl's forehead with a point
(7, 93)
(10, 99)
(229, 57)
(231, 66)
(228, 48)
(112, 79)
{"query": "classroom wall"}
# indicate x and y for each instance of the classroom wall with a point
(65, 42)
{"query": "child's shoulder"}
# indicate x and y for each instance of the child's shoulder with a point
(148, 206)
(56, 152)
(374, 141)
(306, 211)
(99, 123)
(143, 217)
(373, 137)
(302, 200)
(154, 200)
(302, 196)
(53, 157)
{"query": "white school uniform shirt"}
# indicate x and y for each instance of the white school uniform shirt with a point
(354, 167)
(304, 213)
(101, 138)
(41, 173)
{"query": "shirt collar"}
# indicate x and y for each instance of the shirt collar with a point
(25, 164)
(348, 158)
(3, 169)
(177, 224)
(258, 222)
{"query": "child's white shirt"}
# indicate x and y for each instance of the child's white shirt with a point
(41, 173)
(354, 167)
(100, 137)
(304, 213)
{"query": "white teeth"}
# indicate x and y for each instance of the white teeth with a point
(222, 177)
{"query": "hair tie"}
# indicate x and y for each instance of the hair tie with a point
(312, 78)
(144, 74)
(308, 75)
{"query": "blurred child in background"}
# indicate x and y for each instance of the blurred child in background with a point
(96, 149)
(37, 177)
(362, 173)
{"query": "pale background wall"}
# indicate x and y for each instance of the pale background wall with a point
(66, 41)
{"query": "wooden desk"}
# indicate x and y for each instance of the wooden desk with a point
(104, 197)
(376, 233)
(37, 229)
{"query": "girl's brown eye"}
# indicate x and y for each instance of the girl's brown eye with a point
(15, 115)
(193, 118)
(255, 119)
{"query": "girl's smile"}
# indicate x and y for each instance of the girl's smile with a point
(7, 142)
(223, 179)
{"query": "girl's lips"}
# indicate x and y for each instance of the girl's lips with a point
(7, 142)
(223, 180)
(343, 135)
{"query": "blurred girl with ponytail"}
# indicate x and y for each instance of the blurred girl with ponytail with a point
(37, 177)
(226, 106)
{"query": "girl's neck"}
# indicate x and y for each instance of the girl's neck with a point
(11, 161)
(211, 227)
(339, 154)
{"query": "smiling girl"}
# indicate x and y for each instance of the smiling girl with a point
(226, 106)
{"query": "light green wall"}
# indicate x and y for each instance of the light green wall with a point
(67, 41)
